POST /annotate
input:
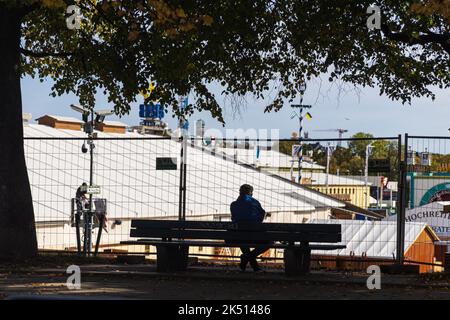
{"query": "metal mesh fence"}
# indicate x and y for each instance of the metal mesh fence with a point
(428, 194)
(352, 182)
(125, 170)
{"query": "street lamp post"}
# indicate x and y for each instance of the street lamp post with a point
(89, 221)
(329, 151)
(89, 126)
(366, 173)
(300, 106)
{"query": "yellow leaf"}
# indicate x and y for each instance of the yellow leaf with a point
(207, 20)
(180, 13)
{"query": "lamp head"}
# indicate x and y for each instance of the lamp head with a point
(102, 114)
(84, 111)
(78, 108)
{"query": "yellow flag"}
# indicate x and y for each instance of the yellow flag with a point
(149, 90)
(308, 116)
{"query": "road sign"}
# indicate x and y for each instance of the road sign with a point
(93, 190)
(152, 110)
(166, 163)
(425, 159)
(379, 165)
(410, 158)
(306, 106)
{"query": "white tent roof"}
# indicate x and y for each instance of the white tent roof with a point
(267, 158)
(319, 178)
(373, 238)
(126, 171)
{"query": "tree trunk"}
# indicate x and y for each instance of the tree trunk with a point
(17, 228)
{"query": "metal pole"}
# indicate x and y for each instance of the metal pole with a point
(328, 167)
(77, 229)
(300, 151)
(399, 203)
(300, 129)
(402, 208)
(378, 191)
(91, 183)
(381, 192)
(184, 176)
(366, 176)
(180, 190)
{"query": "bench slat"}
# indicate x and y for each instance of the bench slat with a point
(223, 244)
(236, 235)
(245, 226)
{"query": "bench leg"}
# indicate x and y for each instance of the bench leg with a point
(297, 261)
(182, 257)
(171, 258)
(306, 261)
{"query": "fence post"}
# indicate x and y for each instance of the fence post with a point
(185, 151)
(401, 198)
(181, 186)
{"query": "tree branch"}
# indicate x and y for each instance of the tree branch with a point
(430, 37)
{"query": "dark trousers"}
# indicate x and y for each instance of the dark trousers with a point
(251, 255)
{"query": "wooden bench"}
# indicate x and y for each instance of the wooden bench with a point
(173, 239)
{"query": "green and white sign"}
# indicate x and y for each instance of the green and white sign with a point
(93, 190)
(440, 192)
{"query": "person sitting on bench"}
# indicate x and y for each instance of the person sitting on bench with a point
(248, 209)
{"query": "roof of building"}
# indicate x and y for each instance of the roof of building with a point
(62, 119)
(374, 238)
(267, 158)
(114, 123)
(126, 171)
(320, 178)
(376, 181)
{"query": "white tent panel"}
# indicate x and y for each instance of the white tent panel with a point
(126, 171)
(372, 238)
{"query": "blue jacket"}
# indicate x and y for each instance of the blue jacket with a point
(247, 209)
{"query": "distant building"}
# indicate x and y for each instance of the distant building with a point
(266, 158)
(111, 127)
(340, 187)
(155, 127)
(59, 122)
(343, 188)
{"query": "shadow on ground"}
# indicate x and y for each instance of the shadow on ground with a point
(212, 282)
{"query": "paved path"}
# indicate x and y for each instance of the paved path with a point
(142, 282)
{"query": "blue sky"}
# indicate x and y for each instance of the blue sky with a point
(363, 111)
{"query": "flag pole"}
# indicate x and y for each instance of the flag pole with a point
(301, 106)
